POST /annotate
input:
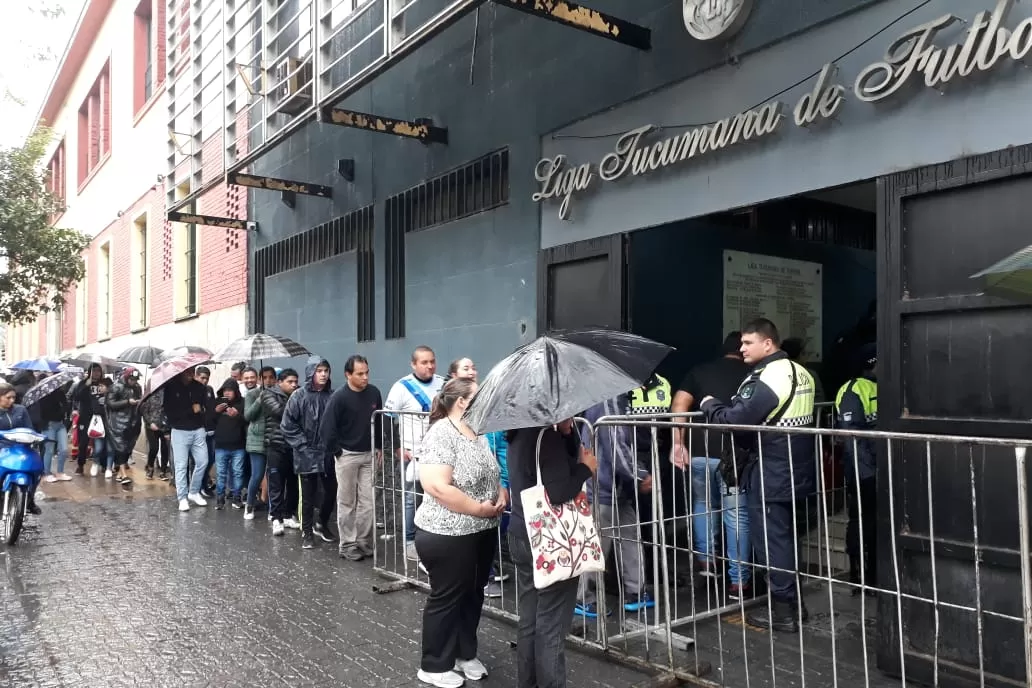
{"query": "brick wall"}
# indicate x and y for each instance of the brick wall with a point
(223, 271)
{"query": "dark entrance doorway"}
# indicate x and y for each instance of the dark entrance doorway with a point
(953, 361)
(583, 285)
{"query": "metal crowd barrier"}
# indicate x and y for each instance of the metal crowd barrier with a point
(901, 628)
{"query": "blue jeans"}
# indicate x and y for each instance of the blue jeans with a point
(410, 509)
(257, 473)
(187, 444)
(229, 468)
(56, 431)
(100, 453)
(710, 497)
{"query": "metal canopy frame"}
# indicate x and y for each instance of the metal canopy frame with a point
(273, 66)
(210, 221)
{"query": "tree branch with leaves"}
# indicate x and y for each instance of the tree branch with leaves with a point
(39, 263)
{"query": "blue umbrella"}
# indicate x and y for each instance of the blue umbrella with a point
(41, 364)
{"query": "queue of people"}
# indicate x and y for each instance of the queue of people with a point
(314, 447)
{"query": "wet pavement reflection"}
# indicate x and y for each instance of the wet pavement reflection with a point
(113, 587)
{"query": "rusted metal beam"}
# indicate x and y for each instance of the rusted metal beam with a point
(274, 184)
(209, 220)
(420, 129)
(585, 19)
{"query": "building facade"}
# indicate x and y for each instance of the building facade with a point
(812, 162)
(148, 281)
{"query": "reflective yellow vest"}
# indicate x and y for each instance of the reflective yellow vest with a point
(867, 391)
(653, 400)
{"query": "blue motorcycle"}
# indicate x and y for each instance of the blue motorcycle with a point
(21, 468)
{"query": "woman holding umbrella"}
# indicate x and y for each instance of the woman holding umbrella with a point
(533, 393)
(49, 399)
(123, 421)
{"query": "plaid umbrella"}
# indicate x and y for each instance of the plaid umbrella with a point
(84, 359)
(261, 346)
(141, 355)
(180, 351)
(41, 364)
(48, 386)
(168, 370)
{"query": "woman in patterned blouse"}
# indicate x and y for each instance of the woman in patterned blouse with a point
(456, 528)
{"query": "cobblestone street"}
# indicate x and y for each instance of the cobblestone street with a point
(116, 588)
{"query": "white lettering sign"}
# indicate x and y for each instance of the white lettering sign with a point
(987, 44)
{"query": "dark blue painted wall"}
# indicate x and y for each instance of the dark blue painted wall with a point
(676, 277)
(471, 284)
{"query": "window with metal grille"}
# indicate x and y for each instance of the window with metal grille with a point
(477, 186)
(349, 233)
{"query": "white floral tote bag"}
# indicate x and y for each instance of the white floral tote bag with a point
(563, 538)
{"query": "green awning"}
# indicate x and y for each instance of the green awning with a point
(1010, 278)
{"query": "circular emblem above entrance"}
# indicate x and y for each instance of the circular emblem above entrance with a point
(709, 19)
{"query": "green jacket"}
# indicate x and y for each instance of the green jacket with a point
(254, 416)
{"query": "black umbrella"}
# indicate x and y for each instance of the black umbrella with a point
(140, 355)
(169, 354)
(48, 386)
(558, 376)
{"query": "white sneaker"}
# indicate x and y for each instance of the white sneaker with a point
(51, 478)
(108, 474)
(248, 514)
(197, 499)
(410, 551)
(473, 669)
(292, 523)
(94, 470)
(445, 679)
(184, 505)
(277, 527)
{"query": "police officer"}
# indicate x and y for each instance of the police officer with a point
(778, 469)
(646, 402)
(857, 407)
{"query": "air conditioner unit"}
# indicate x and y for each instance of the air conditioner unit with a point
(294, 94)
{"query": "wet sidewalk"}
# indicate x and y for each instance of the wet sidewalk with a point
(113, 587)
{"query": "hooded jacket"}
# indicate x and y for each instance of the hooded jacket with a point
(300, 424)
(274, 402)
(617, 468)
(15, 417)
(255, 417)
(153, 411)
(230, 431)
(123, 419)
(86, 399)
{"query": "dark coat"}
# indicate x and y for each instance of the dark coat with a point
(123, 419)
(274, 403)
(300, 425)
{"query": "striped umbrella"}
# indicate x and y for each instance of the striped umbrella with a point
(84, 359)
(140, 355)
(48, 386)
(261, 346)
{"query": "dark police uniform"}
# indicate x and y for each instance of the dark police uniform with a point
(781, 391)
(857, 407)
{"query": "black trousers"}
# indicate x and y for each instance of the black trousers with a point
(157, 443)
(283, 486)
(862, 527)
(458, 566)
(545, 619)
(82, 440)
(310, 497)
